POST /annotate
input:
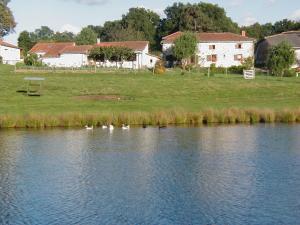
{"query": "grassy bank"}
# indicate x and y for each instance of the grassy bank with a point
(225, 116)
(75, 99)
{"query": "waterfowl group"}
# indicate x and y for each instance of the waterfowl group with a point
(111, 127)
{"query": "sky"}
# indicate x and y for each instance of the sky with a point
(72, 15)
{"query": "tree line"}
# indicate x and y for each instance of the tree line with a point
(144, 24)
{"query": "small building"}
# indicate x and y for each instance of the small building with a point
(10, 54)
(222, 49)
(68, 54)
(143, 58)
(263, 47)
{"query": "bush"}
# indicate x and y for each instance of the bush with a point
(236, 69)
(159, 67)
(31, 60)
(248, 63)
(289, 73)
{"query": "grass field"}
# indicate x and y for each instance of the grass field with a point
(65, 93)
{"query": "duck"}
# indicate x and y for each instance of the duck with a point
(162, 127)
(104, 127)
(89, 128)
(111, 127)
(125, 127)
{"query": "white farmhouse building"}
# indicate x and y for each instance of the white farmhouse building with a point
(10, 54)
(141, 48)
(221, 49)
(70, 55)
(64, 54)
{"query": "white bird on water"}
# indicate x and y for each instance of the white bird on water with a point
(111, 127)
(125, 127)
(104, 127)
(89, 128)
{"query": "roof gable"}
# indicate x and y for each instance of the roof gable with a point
(134, 45)
(3, 43)
(50, 49)
(210, 37)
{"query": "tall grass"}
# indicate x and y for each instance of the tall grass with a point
(172, 117)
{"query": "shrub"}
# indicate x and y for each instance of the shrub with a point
(159, 67)
(236, 69)
(289, 73)
(248, 63)
(31, 60)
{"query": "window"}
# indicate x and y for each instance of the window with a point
(212, 58)
(238, 57)
(212, 47)
(151, 61)
(238, 46)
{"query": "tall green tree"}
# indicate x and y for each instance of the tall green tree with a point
(185, 47)
(201, 17)
(281, 57)
(7, 21)
(144, 22)
(87, 36)
(25, 42)
(44, 33)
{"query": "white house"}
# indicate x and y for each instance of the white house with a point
(141, 48)
(10, 54)
(70, 55)
(222, 49)
(64, 54)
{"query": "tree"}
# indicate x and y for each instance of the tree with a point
(200, 17)
(31, 60)
(25, 42)
(64, 37)
(185, 47)
(142, 22)
(44, 33)
(87, 36)
(281, 57)
(115, 54)
(7, 21)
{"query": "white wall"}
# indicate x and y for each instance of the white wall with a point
(10, 55)
(225, 52)
(67, 60)
(297, 64)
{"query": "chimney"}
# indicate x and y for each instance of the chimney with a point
(98, 40)
(243, 33)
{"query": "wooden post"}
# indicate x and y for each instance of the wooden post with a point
(208, 72)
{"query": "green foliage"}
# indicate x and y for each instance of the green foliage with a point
(116, 54)
(196, 17)
(236, 69)
(289, 73)
(25, 42)
(185, 47)
(7, 21)
(32, 60)
(260, 31)
(280, 58)
(159, 67)
(248, 63)
(87, 36)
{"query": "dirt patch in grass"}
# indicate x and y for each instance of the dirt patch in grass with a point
(102, 98)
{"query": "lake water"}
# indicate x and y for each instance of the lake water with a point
(208, 175)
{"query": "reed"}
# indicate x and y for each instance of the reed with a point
(172, 117)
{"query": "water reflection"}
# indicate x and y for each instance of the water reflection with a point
(208, 175)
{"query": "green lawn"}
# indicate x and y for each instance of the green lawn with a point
(146, 92)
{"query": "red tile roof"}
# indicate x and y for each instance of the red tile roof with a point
(51, 49)
(209, 37)
(134, 45)
(3, 43)
(80, 49)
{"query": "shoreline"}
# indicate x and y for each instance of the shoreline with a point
(171, 118)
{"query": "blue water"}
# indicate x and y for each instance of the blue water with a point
(208, 175)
